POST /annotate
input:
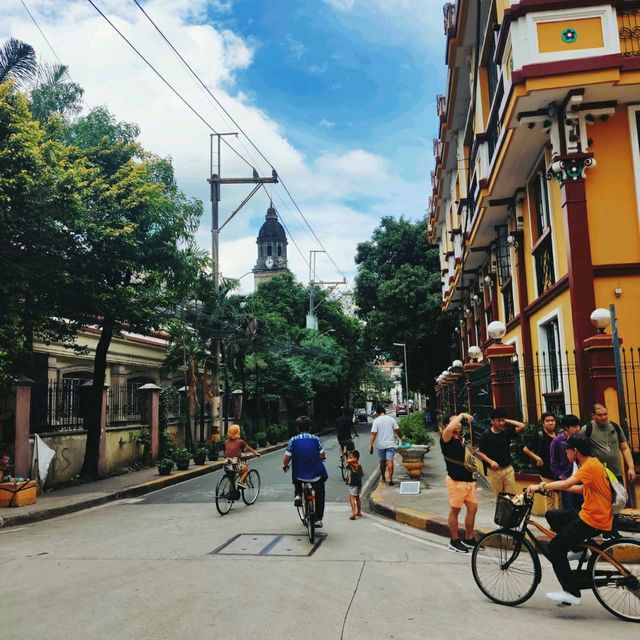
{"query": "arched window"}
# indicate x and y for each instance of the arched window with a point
(269, 250)
(279, 249)
(260, 251)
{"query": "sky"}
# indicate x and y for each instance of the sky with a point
(338, 95)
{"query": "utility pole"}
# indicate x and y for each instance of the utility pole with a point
(216, 180)
(312, 320)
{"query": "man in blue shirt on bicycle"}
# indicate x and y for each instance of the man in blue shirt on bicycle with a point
(305, 454)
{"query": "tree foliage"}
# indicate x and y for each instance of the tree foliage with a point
(398, 294)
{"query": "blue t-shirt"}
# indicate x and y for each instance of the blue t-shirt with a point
(306, 463)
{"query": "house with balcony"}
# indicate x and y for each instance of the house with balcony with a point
(535, 199)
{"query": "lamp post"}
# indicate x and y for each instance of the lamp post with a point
(406, 373)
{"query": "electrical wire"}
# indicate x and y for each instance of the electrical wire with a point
(195, 75)
(167, 83)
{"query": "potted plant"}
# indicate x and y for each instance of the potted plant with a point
(213, 450)
(182, 458)
(274, 433)
(416, 444)
(200, 456)
(165, 466)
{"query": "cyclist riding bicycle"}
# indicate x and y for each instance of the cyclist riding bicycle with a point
(345, 430)
(571, 527)
(305, 454)
(234, 447)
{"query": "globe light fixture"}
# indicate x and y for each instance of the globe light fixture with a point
(600, 319)
(497, 330)
(474, 353)
(457, 364)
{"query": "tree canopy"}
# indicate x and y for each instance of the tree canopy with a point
(398, 294)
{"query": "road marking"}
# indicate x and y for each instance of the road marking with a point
(12, 529)
(410, 536)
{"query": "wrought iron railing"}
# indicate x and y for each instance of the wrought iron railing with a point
(545, 271)
(449, 12)
(629, 31)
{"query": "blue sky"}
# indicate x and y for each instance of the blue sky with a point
(338, 94)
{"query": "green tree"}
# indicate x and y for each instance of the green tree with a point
(54, 93)
(17, 61)
(134, 247)
(398, 294)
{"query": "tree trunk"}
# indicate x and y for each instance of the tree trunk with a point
(89, 469)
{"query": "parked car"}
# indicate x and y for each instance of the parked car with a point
(360, 415)
(402, 409)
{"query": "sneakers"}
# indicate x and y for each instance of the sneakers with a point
(577, 555)
(564, 597)
(470, 543)
(391, 483)
(458, 546)
(241, 485)
(297, 501)
(319, 524)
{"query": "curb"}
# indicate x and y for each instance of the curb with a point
(132, 491)
(431, 523)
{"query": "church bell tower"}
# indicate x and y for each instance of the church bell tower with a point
(272, 249)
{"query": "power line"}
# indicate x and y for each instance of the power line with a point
(195, 75)
(166, 82)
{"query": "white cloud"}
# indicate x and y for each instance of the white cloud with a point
(319, 69)
(295, 46)
(341, 5)
(325, 183)
(327, 124)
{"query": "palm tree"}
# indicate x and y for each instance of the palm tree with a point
(17, 61)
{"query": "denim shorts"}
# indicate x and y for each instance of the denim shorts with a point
(386, 454)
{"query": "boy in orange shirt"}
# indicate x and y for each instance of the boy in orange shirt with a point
(571, 528)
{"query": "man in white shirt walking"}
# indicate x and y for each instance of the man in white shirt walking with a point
(383, 431)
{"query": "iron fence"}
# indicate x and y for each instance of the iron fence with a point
(55, 406)
(630, 365)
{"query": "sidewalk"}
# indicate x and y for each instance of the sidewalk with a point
(59, 502)
(429, 509)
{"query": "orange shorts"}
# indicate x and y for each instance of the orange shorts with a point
(461, 492)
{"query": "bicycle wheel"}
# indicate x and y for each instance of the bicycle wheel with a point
(505, 567)
(311, 521)
(252, 490)
(344, 470)
(224, 495)
(618, 593)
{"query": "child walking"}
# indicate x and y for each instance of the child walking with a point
(354, 480)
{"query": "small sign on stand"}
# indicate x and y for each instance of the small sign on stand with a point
(411, 488)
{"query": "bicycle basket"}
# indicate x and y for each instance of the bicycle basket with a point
(627, 522)
(507, 514)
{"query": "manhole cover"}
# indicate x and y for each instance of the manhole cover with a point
(268, 544)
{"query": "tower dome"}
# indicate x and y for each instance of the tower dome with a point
(272, 248)
(271, 228)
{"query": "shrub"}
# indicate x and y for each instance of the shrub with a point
(275, 433)
(413, 431)
(181, 455)
(261, 438)
(213, 449)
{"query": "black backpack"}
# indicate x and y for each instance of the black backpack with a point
(589, 430)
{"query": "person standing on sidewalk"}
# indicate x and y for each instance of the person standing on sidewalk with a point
(494, 451)
(538, 448)
(461, 485)
(561, 466)
(383, 431)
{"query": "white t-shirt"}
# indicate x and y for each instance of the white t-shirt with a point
(385, 427)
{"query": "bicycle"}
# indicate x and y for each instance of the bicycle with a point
(227, 491)
(506, 565)
(307, 507)
(348, 445)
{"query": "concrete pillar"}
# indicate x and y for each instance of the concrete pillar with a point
(599, 359)
(22, 449)
(152, 407)
(503, 380)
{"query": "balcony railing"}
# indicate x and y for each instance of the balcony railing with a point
(629, 31)
(437, 149)
(449, 11)
(441, 102)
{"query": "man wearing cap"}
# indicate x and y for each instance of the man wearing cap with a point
(494, 451)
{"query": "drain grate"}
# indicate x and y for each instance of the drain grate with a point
(268, 544)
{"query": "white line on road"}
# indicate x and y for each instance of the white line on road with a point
(12, 529)
(410, 536)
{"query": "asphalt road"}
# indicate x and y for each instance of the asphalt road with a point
(168, 566)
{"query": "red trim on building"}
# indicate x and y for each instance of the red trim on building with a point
(616, 270)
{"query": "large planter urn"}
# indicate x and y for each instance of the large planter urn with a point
(413, 458)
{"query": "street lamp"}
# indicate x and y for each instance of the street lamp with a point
(406, 373)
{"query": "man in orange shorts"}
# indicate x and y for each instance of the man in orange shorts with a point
(461, 484)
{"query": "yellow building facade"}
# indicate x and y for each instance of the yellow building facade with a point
(535, 199)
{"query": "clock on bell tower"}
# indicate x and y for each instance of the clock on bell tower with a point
(272, 248)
